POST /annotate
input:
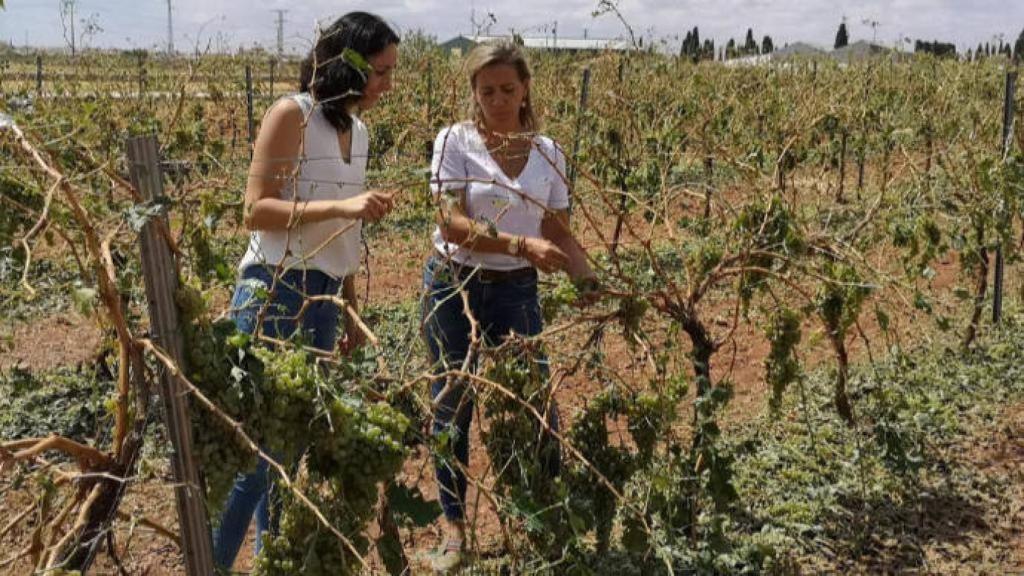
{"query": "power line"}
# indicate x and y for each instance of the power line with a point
(170, 30)
(67, 7)
(280, 31)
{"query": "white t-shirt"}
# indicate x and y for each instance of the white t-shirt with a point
(461, 161)
(323, 175)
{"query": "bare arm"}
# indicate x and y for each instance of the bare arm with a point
(458, 228)
(555, 227)
(272, 183)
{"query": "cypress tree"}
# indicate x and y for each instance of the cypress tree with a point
(767, 46)
(750, 45)
(842, 37)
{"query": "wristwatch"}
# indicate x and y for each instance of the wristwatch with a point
(513, 245)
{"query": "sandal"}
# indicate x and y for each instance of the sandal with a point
(448, 557)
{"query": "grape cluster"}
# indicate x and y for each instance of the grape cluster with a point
(358, 445)
(648, 416)
(226, 374)
(525, 454)
(284, 405)
(303, 545)
(287, 401)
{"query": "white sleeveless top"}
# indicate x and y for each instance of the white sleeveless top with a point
(323, 175)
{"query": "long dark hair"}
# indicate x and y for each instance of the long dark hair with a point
(336, 82)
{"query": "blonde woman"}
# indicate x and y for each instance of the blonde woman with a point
(503, 216)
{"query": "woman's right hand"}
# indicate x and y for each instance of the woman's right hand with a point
(544, 254)
(370, 206)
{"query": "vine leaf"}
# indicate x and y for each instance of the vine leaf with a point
(409, 503)
(356, 60)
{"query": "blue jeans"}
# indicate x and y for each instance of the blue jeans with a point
(318, 328)
(500, 307)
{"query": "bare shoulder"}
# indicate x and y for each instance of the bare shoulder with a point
(285, 112)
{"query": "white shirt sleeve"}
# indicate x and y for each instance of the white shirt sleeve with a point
(448, 164)
(559, 199)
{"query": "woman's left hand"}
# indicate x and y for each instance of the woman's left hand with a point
(588, 289)
(544, 254)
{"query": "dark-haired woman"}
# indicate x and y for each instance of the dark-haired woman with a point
(304, 204)
(503, 215)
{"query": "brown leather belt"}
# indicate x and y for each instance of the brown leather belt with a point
(487, 275)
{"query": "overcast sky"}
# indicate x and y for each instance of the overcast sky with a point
(227, 24)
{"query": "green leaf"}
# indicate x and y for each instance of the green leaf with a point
(356, 60)
(409, 503)
(634, 538)
(883, 319)
(391, 553)
(84, 299)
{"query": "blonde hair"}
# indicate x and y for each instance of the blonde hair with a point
(496, 53)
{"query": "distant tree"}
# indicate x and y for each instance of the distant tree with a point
(842, 37)
(767, 46)
(979, 51)
(708, 51)
(940, 49)
(691, 47)
(1007, 51)
(750, 45)
(684, 50)
(1018, 47)
(730, 49)
(969, 56)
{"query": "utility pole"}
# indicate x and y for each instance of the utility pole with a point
(170, 31)
(67, 11)
(280, 31)
(874, 28)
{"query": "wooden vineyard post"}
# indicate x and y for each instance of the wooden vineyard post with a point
(709, 189)
(161, 278)
(429, 147)
(248, 105)
(39, 74)
(997, 296)
(840, 196)
(142, 75)
(273, 65)
(584, 91)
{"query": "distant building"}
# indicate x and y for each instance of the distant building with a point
(462, 44)
(859, 50)
(799, 50)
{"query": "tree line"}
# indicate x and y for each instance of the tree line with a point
(696, 49)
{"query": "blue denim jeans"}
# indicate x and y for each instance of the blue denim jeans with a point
(499, 307)
(318, 328)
